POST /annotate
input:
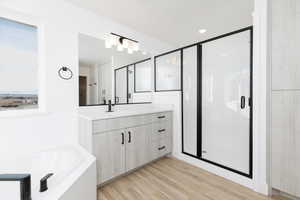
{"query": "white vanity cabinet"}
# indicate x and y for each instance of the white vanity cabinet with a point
(125, 143)
(137, 146)
(108, 147)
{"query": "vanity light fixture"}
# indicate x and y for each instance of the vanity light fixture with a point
(202, 31)
(122, 43)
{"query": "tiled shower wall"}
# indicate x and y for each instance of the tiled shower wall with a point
(285, 94)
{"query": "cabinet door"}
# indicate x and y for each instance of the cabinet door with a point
(109, 149)
(137, 146)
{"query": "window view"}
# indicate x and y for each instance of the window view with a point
(18, 66)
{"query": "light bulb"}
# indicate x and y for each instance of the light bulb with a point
(144, 53)
(130, 45)
(113, 40)
(136, 46)
(202, 31)
(108, 44)
(120, 47)
(125, 43)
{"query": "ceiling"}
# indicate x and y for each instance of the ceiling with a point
(92, 51)
(175, 21)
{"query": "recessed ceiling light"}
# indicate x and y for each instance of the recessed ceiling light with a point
(202, 31)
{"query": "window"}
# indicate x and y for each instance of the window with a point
(18, 65)
(168, 72)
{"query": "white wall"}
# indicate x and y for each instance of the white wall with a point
(62, 23)
(261, 79)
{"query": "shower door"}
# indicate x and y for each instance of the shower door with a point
(121, 83)
(226, 102)
(190, 108)
(131, 83)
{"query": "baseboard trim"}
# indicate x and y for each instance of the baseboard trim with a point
(262, 189)
(276, 192)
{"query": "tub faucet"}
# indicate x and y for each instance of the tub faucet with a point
(43, 182)
(110, 105)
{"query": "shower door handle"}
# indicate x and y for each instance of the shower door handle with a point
(243, 102)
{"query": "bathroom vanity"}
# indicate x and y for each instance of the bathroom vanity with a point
(125, 140)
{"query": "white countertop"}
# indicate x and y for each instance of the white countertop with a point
(97, 113)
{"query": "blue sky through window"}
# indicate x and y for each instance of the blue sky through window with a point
(18, 58)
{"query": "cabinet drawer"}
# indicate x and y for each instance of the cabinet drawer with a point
(120, 123)
(160, 148)
(161, 130)
(106, 125)
(157, 117)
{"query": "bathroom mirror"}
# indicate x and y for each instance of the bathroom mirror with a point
(108, 74)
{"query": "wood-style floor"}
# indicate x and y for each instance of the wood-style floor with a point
(171, 179)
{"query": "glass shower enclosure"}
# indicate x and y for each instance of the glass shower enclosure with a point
(217, 101)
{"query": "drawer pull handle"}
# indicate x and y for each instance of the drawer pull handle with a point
(129, 134)
(161, 130)
(161, 117)
(161, 148)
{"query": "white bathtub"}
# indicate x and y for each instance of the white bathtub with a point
(74, 173)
